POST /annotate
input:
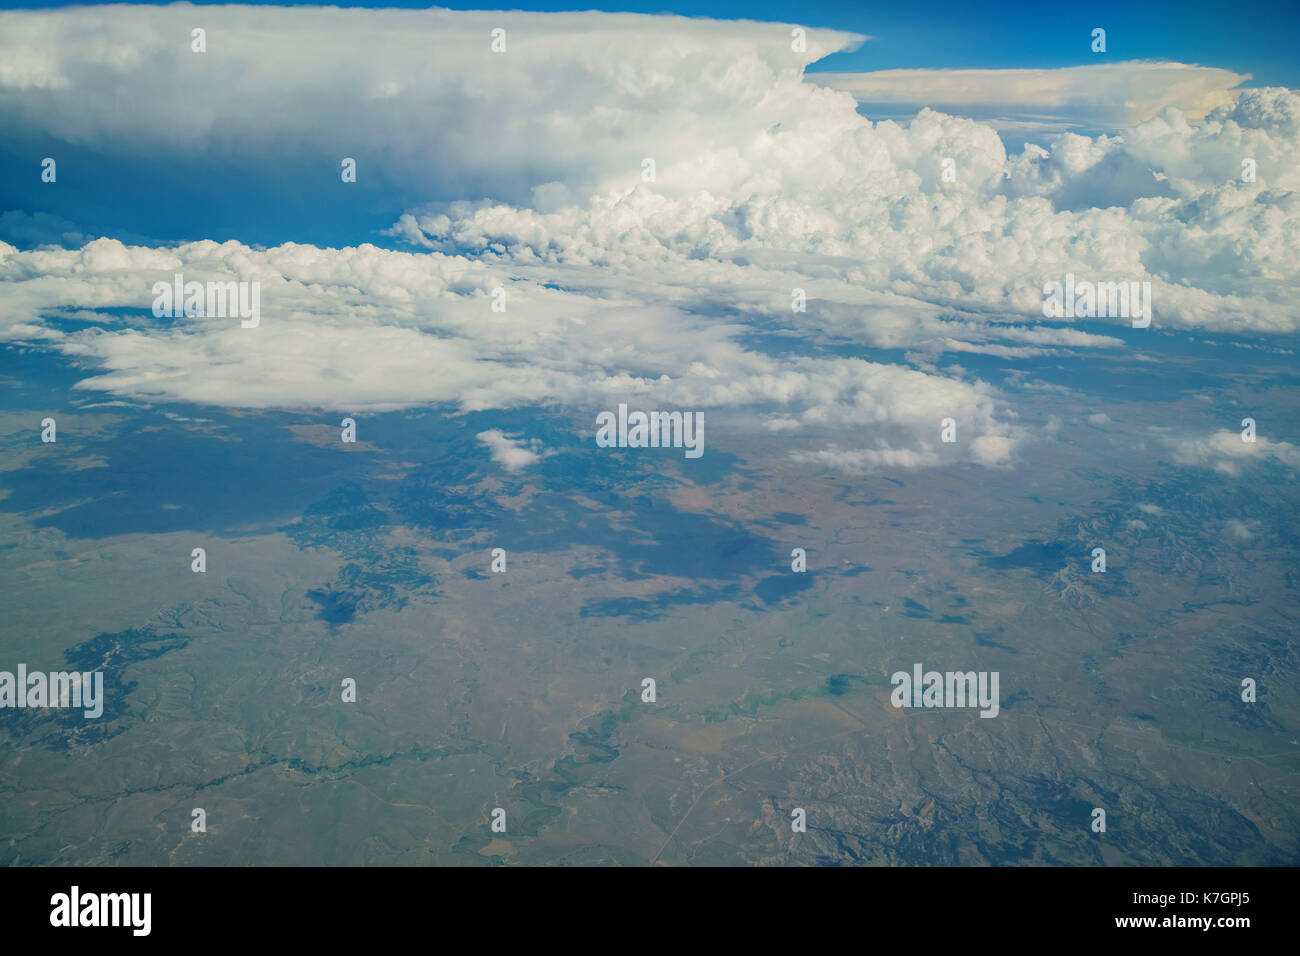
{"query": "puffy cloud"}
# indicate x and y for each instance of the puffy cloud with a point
(512, 454)
(759, 167)
(1262, 125)
(677, 291)
(993, 449)
(368, 328)
(834, 204)
(1238, 531)
(1226, 453)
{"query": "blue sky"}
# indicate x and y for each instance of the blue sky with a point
(1258, 38)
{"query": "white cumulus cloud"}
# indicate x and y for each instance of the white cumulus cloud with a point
(512, 454)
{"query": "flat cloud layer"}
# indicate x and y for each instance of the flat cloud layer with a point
(1109, 94)
(767, 187)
